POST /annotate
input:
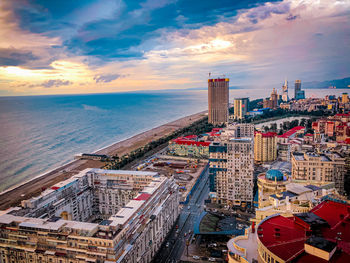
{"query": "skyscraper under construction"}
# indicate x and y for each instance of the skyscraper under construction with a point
(218, 100)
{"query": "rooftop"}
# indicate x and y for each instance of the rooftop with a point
(291, 132)
(285, 237)
(274, 175)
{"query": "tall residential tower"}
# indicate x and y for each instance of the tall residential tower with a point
(298, 93)
(231, 165)
(218, 100)
(285, 91)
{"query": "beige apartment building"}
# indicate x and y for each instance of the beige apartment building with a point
(265, 147)
(218, 100)
(316, 168)
(240, 108)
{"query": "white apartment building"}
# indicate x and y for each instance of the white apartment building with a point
(45, 229)
(231, 165)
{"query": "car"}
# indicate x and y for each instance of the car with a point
(177, 231)
(188, 207)
(196, 257)
(212, 259)
(167, 244)
(185, 234)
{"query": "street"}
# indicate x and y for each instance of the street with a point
(177, 241)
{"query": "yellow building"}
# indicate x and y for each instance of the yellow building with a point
(240, 108)
(265, 147)
(345, 98)
(316, 168)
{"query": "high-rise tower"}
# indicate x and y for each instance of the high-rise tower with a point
(285, 91)
(218, 100)
(298, 93)
(274, 99)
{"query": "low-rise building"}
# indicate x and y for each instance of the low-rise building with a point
(189, 146)
(271, 182)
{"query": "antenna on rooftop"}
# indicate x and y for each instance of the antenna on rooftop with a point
(209, 74)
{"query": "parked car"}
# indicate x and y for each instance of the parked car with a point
(196, 257)
(167, 244)
(212, 259)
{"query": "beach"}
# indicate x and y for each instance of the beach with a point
(36, 185)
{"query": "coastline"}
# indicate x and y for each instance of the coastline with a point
(34, 186)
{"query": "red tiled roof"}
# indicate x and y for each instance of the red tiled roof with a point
(267, 134)
(343, 114)
(142, 197)
(288, 244)
(309, 135)
(191, 142)
(55, 187)
(292, 131)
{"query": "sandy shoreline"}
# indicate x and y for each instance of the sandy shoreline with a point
(34, 186)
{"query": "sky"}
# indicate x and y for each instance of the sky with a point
(97, 46)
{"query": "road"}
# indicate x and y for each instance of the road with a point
(177, 241)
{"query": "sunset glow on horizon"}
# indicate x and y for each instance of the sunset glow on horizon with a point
(97, 46)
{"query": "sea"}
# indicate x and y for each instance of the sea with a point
(40, 133)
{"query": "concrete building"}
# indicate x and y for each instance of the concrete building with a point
(271, 182)
(66, 224)
(231, 170)
(285, 97)
(189, 146)
(218, 101)
(298, 93)
(237, 130)
(272, 102)
(265, 147)
(274, 98)
(310, 167)
(241, 107)
(345, 98)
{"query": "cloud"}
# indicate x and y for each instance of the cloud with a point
(172, 44)
(291, 17)
(14, 57)
(106, 78)
(55, 83)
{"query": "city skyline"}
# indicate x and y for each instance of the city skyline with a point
(112, 46)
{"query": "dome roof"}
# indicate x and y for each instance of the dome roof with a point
(274, 175)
